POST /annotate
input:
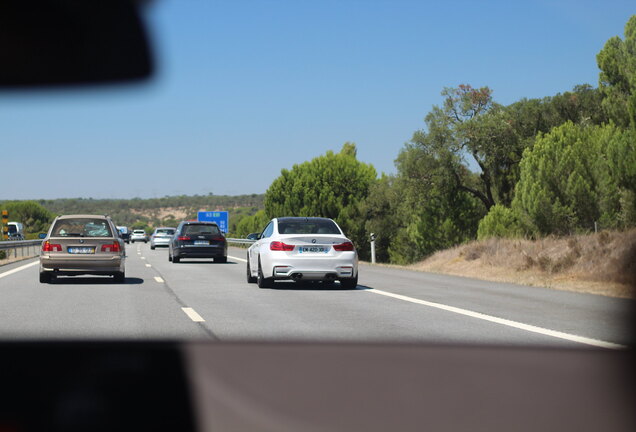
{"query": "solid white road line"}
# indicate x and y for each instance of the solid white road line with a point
(17, 269)
(238, 259)
(158, 279)
(502, 321)
(194, 316)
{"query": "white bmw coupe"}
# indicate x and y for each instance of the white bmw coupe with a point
(302, 249)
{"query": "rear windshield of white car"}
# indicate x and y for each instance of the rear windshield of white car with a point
(308, 227)
(165, 231)
(81, 227)
(201, 229)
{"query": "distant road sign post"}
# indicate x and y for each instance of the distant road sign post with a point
(5, 225)
(220, 217)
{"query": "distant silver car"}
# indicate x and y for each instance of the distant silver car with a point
(82, 244)
(161, 236)
(139, 235)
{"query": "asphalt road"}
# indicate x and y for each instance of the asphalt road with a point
(202, 300)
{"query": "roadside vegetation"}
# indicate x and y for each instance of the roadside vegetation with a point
(562, 165)
(599, 263)
(135, 213)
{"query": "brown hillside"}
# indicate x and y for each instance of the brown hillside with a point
(602, 263)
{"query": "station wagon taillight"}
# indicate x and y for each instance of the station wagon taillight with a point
(280, 246)
(50, 247)
(343, 247)
(183, 238)
(114, 247)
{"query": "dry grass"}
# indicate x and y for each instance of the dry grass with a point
(603, 263)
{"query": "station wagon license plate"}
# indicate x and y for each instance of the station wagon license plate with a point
(81, 250)
(201, 242)
(313, 249)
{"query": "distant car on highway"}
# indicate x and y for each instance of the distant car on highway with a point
(139, 235)
(125, 233)
(161, 236)
(15, 231)
(302, 249)
(194, 239)
(82, 244)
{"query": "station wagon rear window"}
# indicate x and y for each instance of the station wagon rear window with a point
(81, 227)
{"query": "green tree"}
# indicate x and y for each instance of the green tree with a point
(36, 218)
(376, 214)
(251, 224)
(617, 79)
(567, 182)
(456, 132)
(500, 221)
(431, 211)
(324, 186)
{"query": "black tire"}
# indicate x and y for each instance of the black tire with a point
(119, 277)
(169, 257)
(145, 241)
(250, 278)
(45, 277)
(220, 260)
(176, 259)
(349, 283)
(261, 280)
(152, 247)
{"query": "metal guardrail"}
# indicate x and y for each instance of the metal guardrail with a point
(240, 241)
(20, 248)
(28, 248)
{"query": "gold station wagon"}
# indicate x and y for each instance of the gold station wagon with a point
(82, 244)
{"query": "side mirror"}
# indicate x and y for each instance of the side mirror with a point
(42, 236)
(254, 236)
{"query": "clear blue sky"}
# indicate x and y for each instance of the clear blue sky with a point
(245, 88)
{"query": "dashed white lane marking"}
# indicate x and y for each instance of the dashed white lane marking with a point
(194, 316)
(17, 269)
(502, 321)
(238, 259)
(143, 257)
(158, 279)
(148, 265)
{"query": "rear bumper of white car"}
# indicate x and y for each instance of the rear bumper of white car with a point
(304, 268)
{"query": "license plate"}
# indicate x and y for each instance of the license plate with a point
(314, 249)
(201, 242)
(81, 250)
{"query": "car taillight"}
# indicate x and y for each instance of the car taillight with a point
(344, 247)
(111, 247)
(280, 246)
(219, 239)
(182, 238)
(50, 247)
